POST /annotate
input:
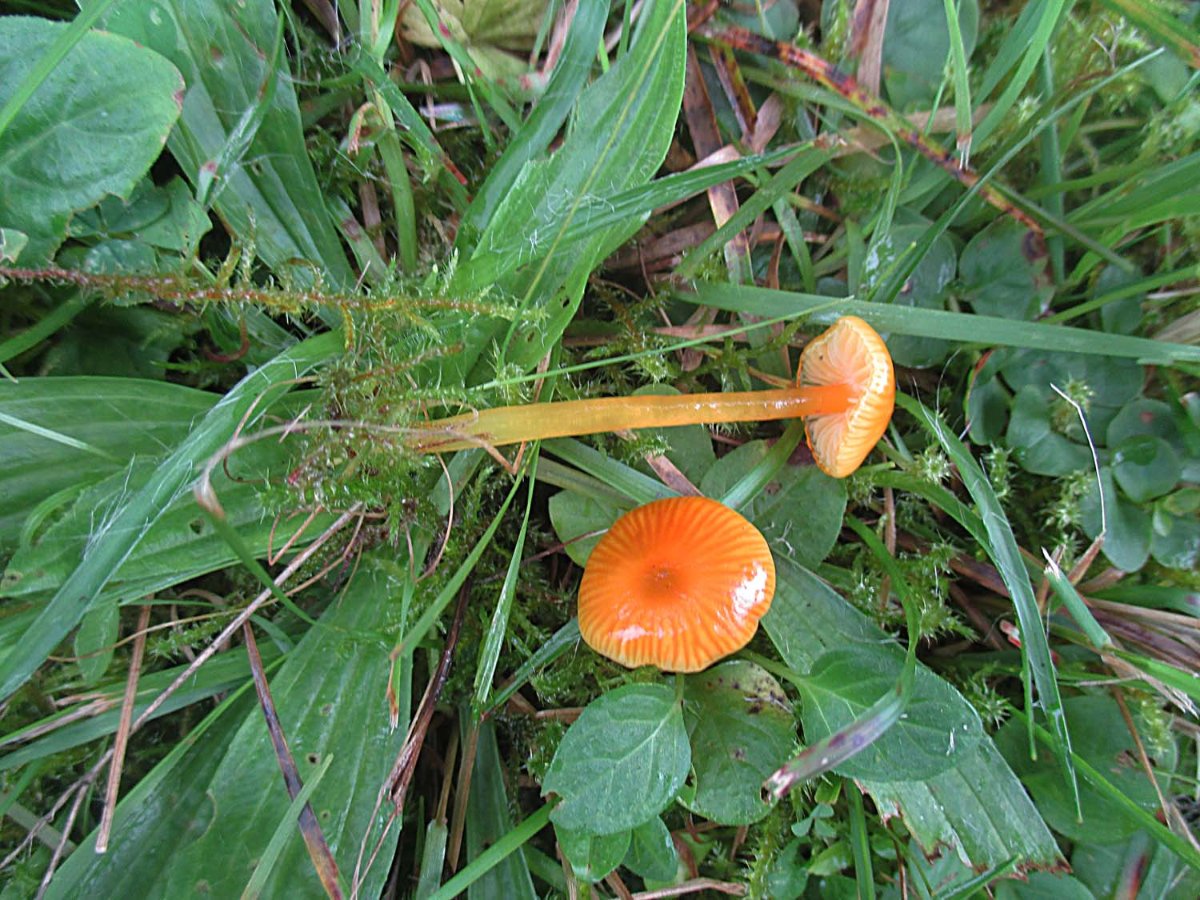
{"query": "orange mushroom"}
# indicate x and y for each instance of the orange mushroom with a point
(845, 388)
(677, 584)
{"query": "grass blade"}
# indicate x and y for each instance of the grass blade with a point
(935, 323)
(116, 538)
(494, 855)
(254, 887)
(1036, 662)
(535, 135)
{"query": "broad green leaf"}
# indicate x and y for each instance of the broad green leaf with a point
(124, 528)
(1034, 442)
(81, 136)
(924, 288)
(267, 190)
(1143, 416)
(937, 729)
(574, 515)
(741, 729)
(1104, 867)
(592, 856)
(122, 419)
(652, 852)
(624, 123)
(978, 809)
(568, 79)
(1175, 541)
(621, 762)
(1127, 540)
(116, 341)
(1101, 739)
(916, 47)
(95, 642)
(1043, 886)
(181, 545)
(799, 511)
(163, 813)
(1004, 271)
(1113, 382)
(1145, 467)
(330, 696)
(12, 242)
(166, 217)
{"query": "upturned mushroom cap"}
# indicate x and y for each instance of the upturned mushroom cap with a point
(677, 583)
(850, 353)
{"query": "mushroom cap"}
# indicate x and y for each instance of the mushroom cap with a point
(850, 352)
(677, 583)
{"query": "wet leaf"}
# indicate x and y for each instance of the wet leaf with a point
(621, 762)
(742, 729)
(107, 131)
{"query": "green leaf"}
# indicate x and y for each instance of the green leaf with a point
(1127, 541)
(489, 821)
(937, 728)
(136, 419)
(916, 47)
(1145, 467)
(227, 803)
(624, 123)
(124, 529)
(621, 762)
(991, 331)
(1037, 665)
(225, 672)
(166, 217)
(592, 856)
(1034, 442)
(1175, 541)
(652, 852)
(534, 137)
(1104, 867)
(1101, 739)
(741, 729)
(266, 189)
(799, 511)
(925, 287)
(181, 545)
(1043, 886)
(574, 515)
(79, 137)
(978, 809)
(95, 642)
(1005, 272)
(1143, 416)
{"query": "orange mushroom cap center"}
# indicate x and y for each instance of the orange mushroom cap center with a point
(677, 584)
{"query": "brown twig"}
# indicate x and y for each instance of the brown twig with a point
(846, 86)
(310, 828)
(395, 787)
(56, 856)
(121, 741)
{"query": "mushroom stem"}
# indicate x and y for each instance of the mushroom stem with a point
(569, 418)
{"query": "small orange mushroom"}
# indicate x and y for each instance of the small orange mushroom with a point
(677, 583)
(850, 353)
(845, 388)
